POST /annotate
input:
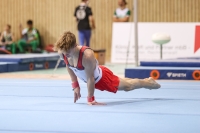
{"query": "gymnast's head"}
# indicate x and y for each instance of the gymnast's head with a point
(66, 43)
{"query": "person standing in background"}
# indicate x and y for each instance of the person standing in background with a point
(122, 13)
(84, 18)
(7, 40)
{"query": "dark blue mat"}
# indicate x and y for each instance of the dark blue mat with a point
(175, 73)
(13, 67)
(25, 62)
(3, 67)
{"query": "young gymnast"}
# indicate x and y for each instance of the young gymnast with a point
(81, 63)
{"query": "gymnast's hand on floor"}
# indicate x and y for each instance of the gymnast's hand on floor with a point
(77, 94)
(92, 101)
(95, 103)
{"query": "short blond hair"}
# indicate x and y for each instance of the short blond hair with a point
(66, 41)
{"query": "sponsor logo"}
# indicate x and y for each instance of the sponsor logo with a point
(39, 65)
(171, 74)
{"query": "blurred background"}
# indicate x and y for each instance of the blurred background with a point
(52, 17)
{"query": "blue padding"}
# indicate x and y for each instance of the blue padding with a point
(172, 63)
(165, 73)
(13, 67)
(27, 58)
(3, 67)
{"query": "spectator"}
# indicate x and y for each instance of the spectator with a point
(29, 37)
(84, 17)
(7, 40)
(122, 13)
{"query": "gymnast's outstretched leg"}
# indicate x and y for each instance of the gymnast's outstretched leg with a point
(128, 84)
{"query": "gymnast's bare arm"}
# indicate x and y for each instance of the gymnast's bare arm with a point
(89, 63)
(77, 93)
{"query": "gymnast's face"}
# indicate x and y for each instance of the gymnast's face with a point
(68, 53)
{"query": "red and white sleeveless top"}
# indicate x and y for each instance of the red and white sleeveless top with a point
(79, 69)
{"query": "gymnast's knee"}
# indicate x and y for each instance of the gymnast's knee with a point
(128, 87)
